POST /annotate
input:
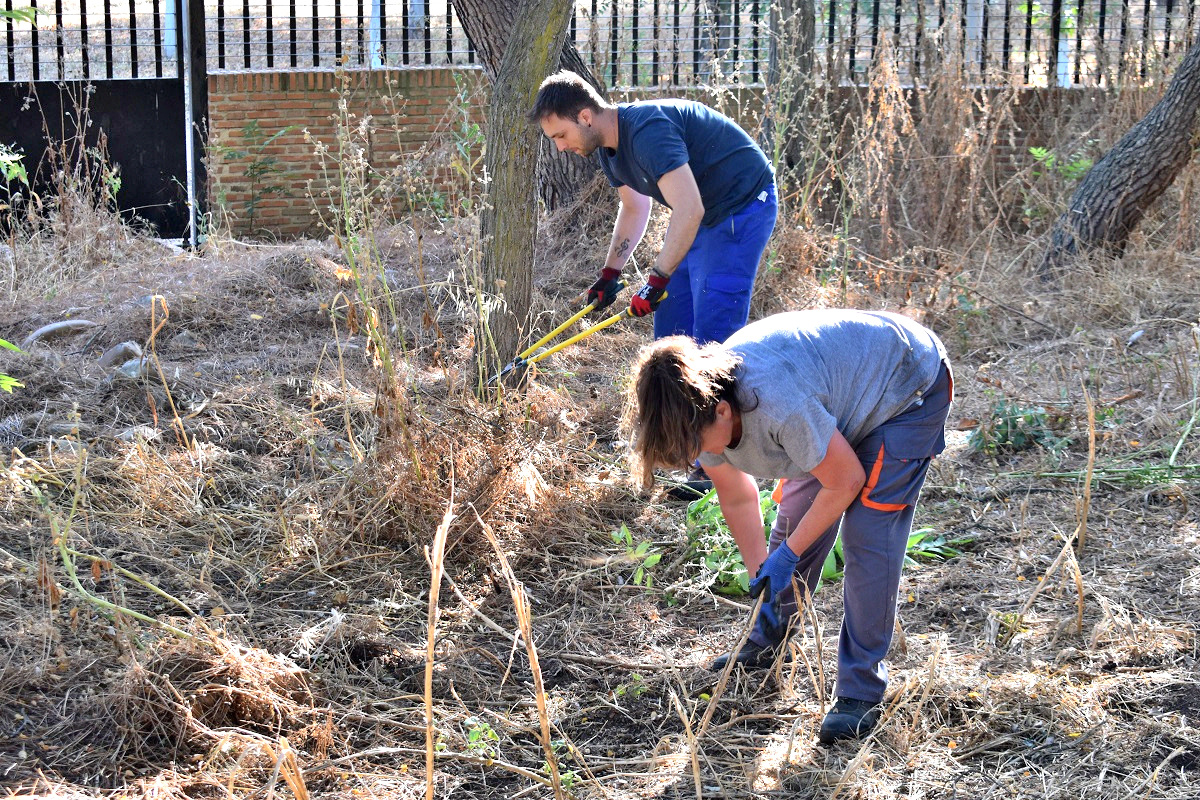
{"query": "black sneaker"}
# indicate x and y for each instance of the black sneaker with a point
(849, 719)
(751, 656)
(696, 486)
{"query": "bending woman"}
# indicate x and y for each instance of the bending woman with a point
(848, 408)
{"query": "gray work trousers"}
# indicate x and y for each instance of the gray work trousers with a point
(875, 530)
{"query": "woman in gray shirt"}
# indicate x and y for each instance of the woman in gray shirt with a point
(847, 408)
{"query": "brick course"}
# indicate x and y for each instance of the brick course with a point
(413, 109)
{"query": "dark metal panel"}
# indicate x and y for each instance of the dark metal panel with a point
(143, 122)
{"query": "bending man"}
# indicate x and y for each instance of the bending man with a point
(849, 408)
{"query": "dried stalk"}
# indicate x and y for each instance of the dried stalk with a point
(435, 557)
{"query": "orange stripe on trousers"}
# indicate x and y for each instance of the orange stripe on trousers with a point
(871, 483)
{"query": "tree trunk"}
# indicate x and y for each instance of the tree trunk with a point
(508, 221)
(1115, 194)
(789, 80)
(489, 23)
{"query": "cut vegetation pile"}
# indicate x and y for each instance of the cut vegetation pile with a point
(216, 546)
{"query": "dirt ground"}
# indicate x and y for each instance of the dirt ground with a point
(255, 484)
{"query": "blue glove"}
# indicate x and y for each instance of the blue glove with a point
(773, 577)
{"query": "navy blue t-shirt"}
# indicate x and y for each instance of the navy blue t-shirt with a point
(657, 136)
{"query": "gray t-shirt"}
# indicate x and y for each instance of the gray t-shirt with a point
(806, 373)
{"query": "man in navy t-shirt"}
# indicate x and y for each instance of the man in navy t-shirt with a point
(705, 168)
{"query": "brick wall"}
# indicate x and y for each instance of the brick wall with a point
(415, 113)
(412, 113)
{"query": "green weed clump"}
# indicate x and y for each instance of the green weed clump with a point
(1012, 427)
(715, 552)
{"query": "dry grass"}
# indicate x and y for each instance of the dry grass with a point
(251, 492)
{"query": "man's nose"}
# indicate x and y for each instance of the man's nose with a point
(562, 145)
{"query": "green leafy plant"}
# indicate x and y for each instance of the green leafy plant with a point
(642, 555)
(712, 544)
(482, 739)
(1012, 427)
(1070, 168)
(263, 170)
(927, 544)
(635, 688)
(28, 15)
(562, 752)
(8, 383)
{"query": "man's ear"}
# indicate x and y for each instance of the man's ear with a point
(585, 117)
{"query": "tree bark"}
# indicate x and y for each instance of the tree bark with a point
(1116, 193)
(789, 79)
(489, 23)
(508, 221)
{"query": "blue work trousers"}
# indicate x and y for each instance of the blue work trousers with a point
(875, 530)
(708, 297)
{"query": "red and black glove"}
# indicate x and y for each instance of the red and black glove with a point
(650, 295)
(605, 290)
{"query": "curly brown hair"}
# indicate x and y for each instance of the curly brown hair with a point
(674, 397)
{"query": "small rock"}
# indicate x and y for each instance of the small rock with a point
(133, 369)
(119, 354)
(138, 432)
(186, 340)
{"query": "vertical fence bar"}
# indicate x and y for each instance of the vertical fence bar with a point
(874, 28)
(428, 32)
(360, 33)
(1056, 7)
(108, 40)
(133, 42)
(1124, 35)
(158, 39)
(832, 18)
(1145, 39)
(83, 39)
(60, 53)
(294, 32)
(337, 33)
(695, 39)
(675, 48)
(983, 42)
(9, 38)
(404, 32)
(1006, 54)
(633, 45)
(220, 34)
(245, 33)
(316, 36)
(896, 27)
(1028, 36)
(612, 67)
(654, 47)
(450, 38)
(1167, 29)
(962, 26)
(853, 43)
(1191, 23)
(270, 23)
(756, 34)
(920, 28)
(383, 29)
(735, 39)
(1078, 42)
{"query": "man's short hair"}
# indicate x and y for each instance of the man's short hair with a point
(564, 94)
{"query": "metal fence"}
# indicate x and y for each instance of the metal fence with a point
(628, 42)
